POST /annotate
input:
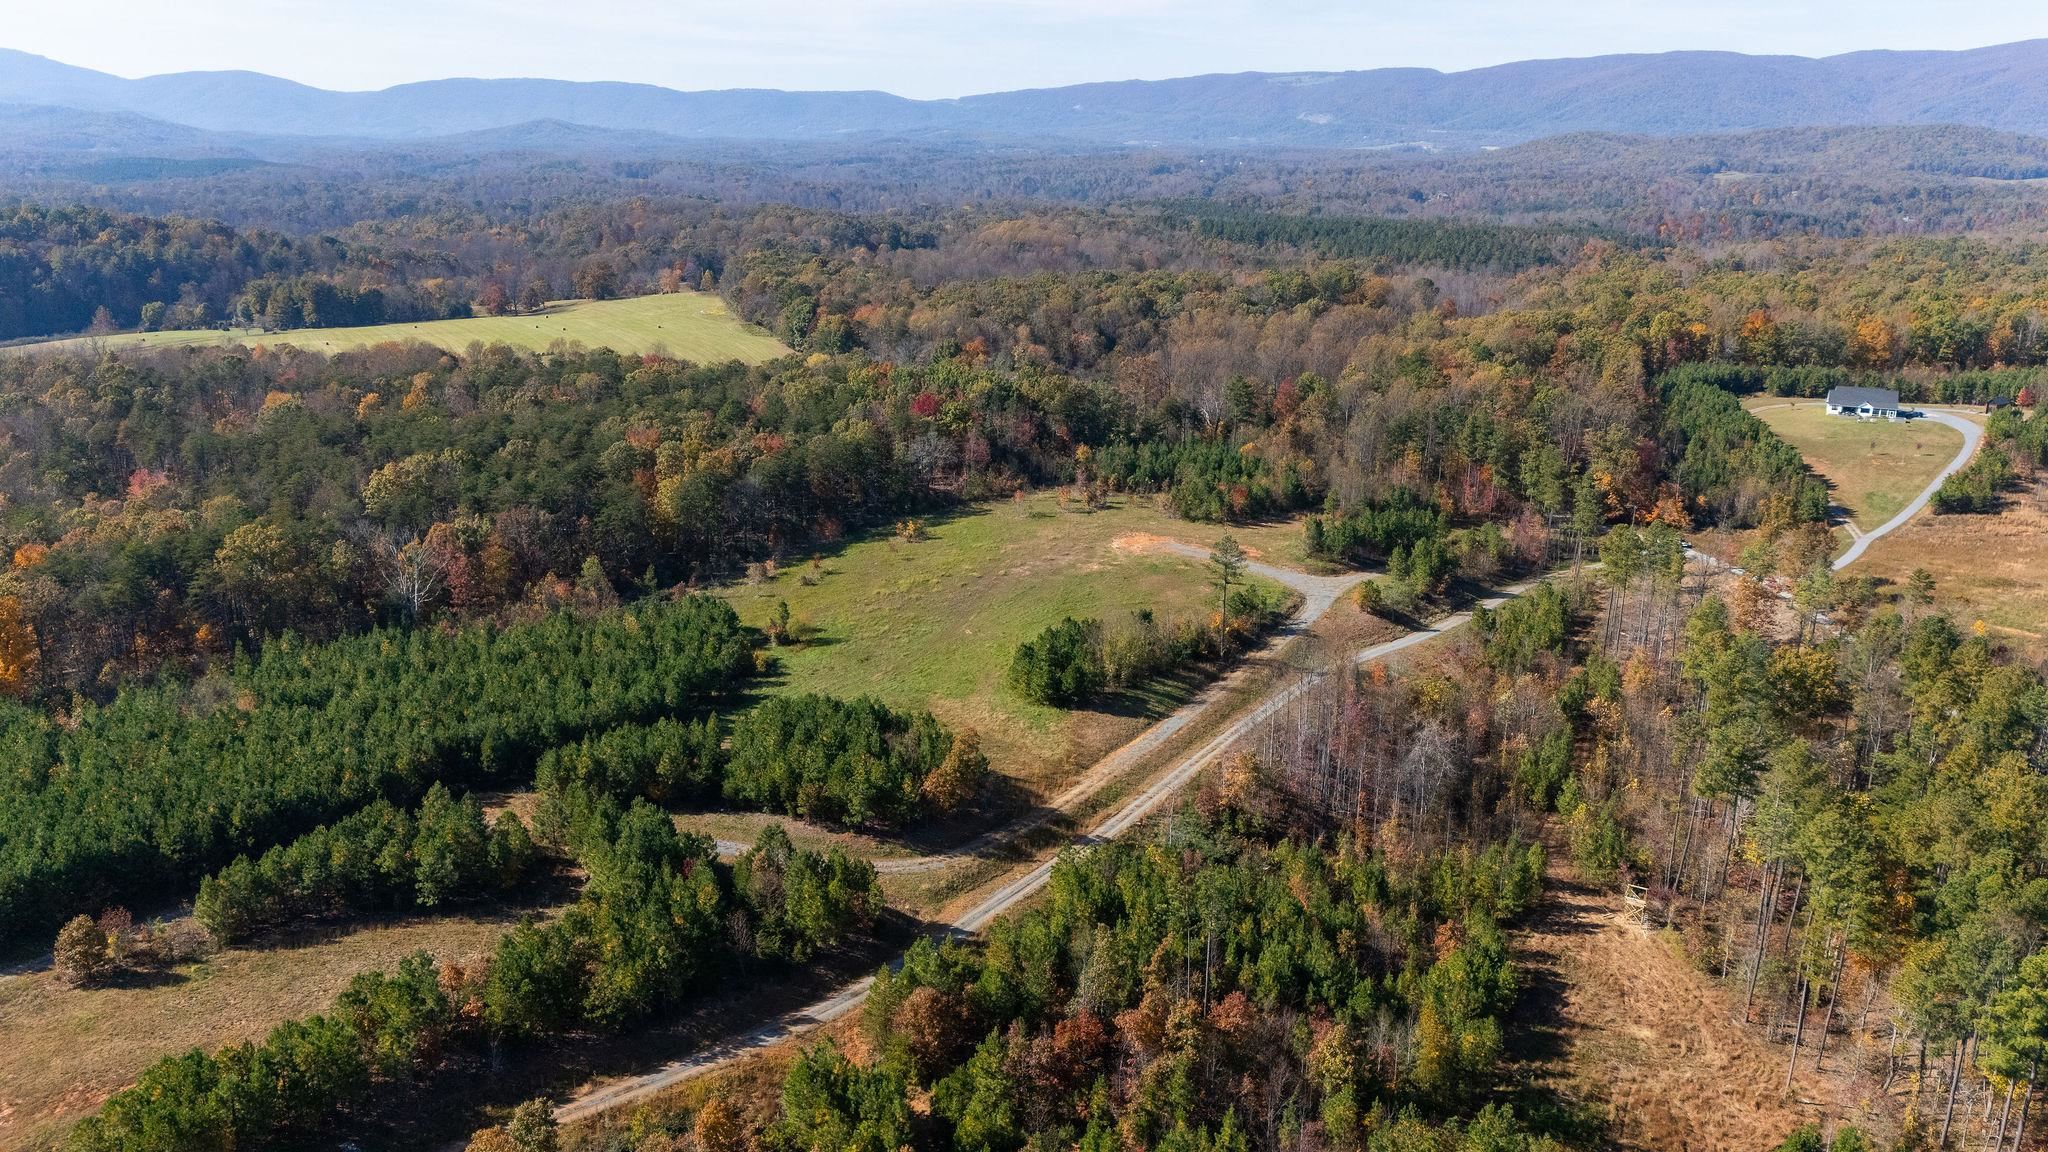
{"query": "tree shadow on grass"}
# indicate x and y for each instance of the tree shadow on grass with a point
(1160, 695)
(797, 558)
(1537, 1040)
(149, 976)
(993, 826)
(480, 1088)
(557, 887)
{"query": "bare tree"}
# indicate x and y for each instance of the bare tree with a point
(415, 575)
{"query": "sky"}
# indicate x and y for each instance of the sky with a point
(942, 48)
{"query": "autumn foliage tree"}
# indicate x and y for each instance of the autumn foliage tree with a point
(20, 655)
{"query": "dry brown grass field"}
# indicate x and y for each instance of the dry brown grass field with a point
(1992, 568)
(1627, 1026)
(67, 1049)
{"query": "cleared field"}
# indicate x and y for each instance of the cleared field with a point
(689, 325)
(1619, 1024)
(933, 624)
(1991, 568)
(70, 1048)
(1876, 467)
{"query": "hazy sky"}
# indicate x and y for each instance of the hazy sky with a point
(939, 48)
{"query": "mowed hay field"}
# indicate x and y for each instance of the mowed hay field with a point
(1875, 466)
(933, 623)
(68, 1048)
(689, 325)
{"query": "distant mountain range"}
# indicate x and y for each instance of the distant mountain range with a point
(2003, 87)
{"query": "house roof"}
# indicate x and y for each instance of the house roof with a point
(1881, 399)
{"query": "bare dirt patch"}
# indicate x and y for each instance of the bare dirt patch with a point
(1616, 1018)
(1151, 544)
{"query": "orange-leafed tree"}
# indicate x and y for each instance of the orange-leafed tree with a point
(19, 652)
(1874, 344)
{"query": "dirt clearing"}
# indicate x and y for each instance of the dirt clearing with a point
(1615, 1018)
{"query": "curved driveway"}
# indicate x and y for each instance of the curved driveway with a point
(1973, 435)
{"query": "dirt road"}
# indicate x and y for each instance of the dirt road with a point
(1319, 593)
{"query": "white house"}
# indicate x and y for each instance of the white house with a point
(1864, 403)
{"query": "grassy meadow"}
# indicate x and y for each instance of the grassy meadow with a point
(1991, 568)
(690, 325)
(1876, 467)
(70, 1048)
(933, 623)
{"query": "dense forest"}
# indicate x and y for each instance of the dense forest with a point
(74, 269)
(1832, 811)
(305, 733)
(1712, 189)
(1220, 989)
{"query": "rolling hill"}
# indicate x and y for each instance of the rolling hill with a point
(2003, 87)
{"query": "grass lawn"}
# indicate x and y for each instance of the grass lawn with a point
(933, 624)
(690, 325)
(70, 1048)
(1876, 467)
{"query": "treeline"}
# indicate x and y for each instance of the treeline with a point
(2015, 449)
(1973, 386)
(669, 762)
(381, 857)
(1978, 486)
(852, 763)
(1422, 553)
(60, 267)
(1731, 468)
(659, 920)
(66, 269)
(305, 733)
(1208, 480)
(1399, 530)
(855, 763)
(277, 304)
(1072, 662)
